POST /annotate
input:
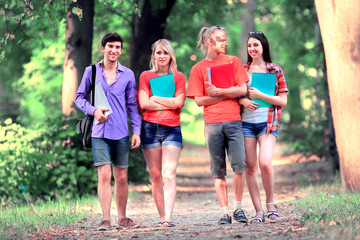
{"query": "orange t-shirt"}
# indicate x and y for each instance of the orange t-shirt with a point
(170, 117)
(227, 110)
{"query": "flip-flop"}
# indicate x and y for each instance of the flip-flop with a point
(169, 224)
(159, 224)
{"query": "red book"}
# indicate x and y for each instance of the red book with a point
(222, 76)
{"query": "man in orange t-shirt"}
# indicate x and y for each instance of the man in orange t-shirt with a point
(223, 128)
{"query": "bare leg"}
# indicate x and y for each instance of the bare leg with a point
(121, 191)
(238, 185)
(267, 143)
(170, 159)
(154, 164)
(104, 189)
(221, 191)
(252, 169)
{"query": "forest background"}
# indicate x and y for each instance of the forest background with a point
(46, 45)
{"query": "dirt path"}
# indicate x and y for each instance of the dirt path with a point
(197, 210)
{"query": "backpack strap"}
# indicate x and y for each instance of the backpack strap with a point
(93, 75)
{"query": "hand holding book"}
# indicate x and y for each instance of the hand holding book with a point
(101, 102)
(212, 90)
(254, 93)
(222, 76)
(264, 83)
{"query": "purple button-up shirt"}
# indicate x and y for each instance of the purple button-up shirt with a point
(122, 96)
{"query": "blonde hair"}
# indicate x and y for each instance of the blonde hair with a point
(166, 45)
(205, 34)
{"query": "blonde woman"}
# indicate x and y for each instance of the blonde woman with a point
(161, 139)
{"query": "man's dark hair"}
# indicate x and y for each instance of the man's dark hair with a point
(112, 37)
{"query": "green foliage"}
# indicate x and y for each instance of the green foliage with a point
(41, 82)
(295, 41)
(137, 171)
(25, 20)
(50, 162)
(329, 208)
(44, 163)
(27, 24)
(32, 77)
(47, 152)
(20, 220)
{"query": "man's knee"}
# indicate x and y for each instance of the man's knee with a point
(121, 176)
(104, 176)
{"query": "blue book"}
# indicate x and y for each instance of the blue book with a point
(265, 83)
(163, 86)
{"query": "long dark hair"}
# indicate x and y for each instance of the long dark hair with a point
(264, 43)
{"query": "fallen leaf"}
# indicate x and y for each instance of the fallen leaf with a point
(194, 234)
(332, 223)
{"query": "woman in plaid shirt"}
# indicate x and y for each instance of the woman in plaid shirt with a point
(260, 125)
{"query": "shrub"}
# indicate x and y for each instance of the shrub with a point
(50, 162)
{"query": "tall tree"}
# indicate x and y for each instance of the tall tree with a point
(146, 29)
(23, 26)
(78, 40)
(341, 38)
(248, 25)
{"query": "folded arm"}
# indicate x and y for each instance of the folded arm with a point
(232, 92)
(146, 103)
(207, 100)
(168, 102)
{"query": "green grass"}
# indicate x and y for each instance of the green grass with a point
(19, 220)
(331, 211)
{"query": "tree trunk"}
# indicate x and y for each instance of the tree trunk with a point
(78, 40)
(333, 155)
(146, 30)
(341, 38)
(248, 25)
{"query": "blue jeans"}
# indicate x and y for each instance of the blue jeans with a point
(255, 130)
(107, 151)
(221, 137)
(155, 135)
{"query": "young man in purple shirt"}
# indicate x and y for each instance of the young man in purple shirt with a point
(110, 137)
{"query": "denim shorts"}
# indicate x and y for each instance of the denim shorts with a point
(255, 130)
(155, 135)
(225, 138)
(107, 151)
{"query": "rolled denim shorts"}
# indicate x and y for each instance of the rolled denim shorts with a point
(155, 135)
(107, 151)
(225, 138)
(255, 130)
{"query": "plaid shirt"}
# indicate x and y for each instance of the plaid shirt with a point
(273, 122)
